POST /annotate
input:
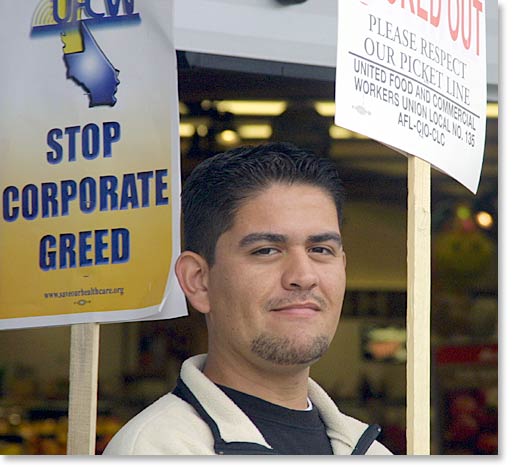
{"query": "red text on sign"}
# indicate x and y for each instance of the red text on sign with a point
(463, 18)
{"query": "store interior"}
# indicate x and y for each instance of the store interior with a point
(229, 102)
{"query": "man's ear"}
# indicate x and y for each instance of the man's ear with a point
(192, 270)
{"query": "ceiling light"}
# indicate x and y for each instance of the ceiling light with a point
(187, 130)
(183, 109)
(202, 130)
(325, 108)
(492, 110)
(484, 219)
(272, 108)
(336, 132)
(227, 137)
(206, 104)
(255, 131)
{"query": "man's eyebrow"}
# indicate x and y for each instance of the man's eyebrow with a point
(326, 237)
(258, 237)
(262, 237)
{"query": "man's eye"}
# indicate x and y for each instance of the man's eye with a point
(321, 250)
(265, 251)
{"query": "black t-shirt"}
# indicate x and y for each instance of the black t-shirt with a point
(287, 431)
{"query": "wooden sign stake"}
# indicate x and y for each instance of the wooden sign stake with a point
(84, 350)
(418, 307)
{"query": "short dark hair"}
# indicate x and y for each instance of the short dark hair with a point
(219, 185)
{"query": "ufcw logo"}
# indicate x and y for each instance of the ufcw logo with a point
(86, 63)
(59, 14)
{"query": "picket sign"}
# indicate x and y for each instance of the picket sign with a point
(77, 110)
(418, 307)
(381, 93)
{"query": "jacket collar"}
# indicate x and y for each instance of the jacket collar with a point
(234, 425)
(232, 422)
(343, 441)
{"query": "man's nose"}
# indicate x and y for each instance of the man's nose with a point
(299, 272)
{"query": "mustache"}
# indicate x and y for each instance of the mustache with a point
(296, 297)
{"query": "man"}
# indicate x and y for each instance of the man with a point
(264, 262)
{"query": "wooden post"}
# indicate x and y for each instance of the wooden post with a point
(418, 307)
(85, 339)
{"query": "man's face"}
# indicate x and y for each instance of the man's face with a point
(277, 284)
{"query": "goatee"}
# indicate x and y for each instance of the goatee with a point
(285, 351)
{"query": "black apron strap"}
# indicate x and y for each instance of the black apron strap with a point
(238, 447)
(366, 440)
(220, 445)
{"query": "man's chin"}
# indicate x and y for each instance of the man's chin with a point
(285, 352)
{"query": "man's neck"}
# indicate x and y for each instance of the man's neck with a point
(284, 385)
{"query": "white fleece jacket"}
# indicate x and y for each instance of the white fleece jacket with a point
(170, 426)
